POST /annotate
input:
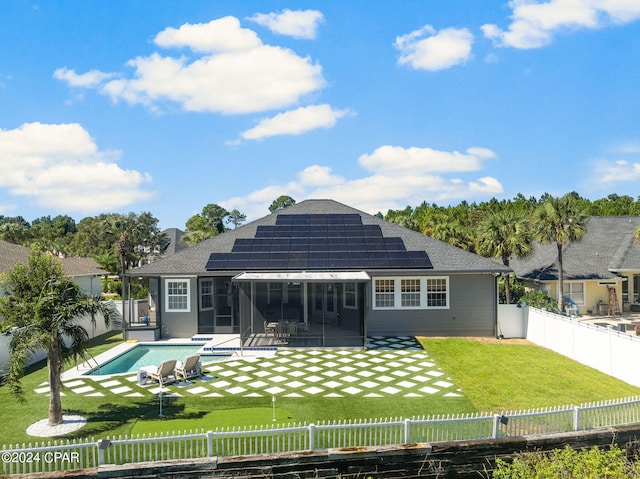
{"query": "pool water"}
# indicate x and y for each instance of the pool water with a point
(149, 355)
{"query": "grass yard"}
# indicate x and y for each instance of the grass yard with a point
(493, 375)
(502, 375)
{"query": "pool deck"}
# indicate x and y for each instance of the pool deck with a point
(389, 367)
(220, 344)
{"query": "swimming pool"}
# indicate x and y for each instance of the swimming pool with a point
(150, 355)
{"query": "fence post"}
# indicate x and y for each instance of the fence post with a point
(496, 425)
(407, 431)
(312, 433)
(210, 443)
(100, 454)
(576, 418)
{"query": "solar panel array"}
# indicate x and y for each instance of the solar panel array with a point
(318, 242)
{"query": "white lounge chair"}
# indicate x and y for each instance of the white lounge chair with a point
(165, 373)
(189, 368)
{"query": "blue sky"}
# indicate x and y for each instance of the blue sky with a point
(168, 106)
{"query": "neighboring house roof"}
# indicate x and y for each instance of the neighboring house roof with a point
(13, 254)
(174, 241)
(444, 258)
(607, 249)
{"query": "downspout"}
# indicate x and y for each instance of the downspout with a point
(364, 316)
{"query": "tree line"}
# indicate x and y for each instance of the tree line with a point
(500, 229)
(118, 241)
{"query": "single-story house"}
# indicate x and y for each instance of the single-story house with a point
(601, 272)
(320, 273)
(85, 272)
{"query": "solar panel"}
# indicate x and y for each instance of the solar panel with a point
(318, 242)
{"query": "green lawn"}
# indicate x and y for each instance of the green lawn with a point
(501, 375)
(493, 375)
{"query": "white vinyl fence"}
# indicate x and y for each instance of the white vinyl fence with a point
(67, 455)
(93, 331)
(606, 349)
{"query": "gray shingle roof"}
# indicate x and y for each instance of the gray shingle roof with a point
(13, 254)
(444, 257)
(174, 237)
(607, 248)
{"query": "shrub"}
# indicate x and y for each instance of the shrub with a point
(539, 299)
(567, 463)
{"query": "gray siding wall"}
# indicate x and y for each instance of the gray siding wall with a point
(183, 324)
(472, 312)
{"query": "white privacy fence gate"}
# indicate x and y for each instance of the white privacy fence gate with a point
(80, 454)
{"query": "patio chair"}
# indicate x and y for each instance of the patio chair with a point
(270, 329)
(165, 373)
(189, 368)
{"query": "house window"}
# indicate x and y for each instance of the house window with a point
(206, 294)
(385, 293)
(437, 292)
(350, 300)
(177, 293)
(575, 291)
(411, 293)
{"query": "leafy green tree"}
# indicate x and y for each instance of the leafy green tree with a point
(281, 203)
(236, 218)
(45, 307)
(504, 234)
(53, 235)
(403, 218)
(15, 230)
(92, 237)
(205, 225)
(560, 221)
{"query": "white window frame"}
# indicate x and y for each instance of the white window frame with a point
(398, 293)
(210, 294)
(350, 294)
(447, 291)
(168, 295)
(570, 293)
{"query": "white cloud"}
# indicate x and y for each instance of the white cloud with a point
(61, 167)
(295, 122)
(534, 24)
(411, 181)
(221, 35)
(428, 49)
(608, 173)
(89, 79)
(396, 160)
(294, 23)
(236, 74)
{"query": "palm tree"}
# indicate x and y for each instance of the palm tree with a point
(559, 221)
(53, 327)
(504, 234)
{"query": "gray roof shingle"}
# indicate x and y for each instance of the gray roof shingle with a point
(607, 248)
(13, 254)
(444, 257)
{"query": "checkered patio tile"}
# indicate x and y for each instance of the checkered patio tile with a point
(390, 367)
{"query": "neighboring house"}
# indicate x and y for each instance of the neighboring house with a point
(606, 261)
(173, 243)
(85, 272)
(321, 273)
